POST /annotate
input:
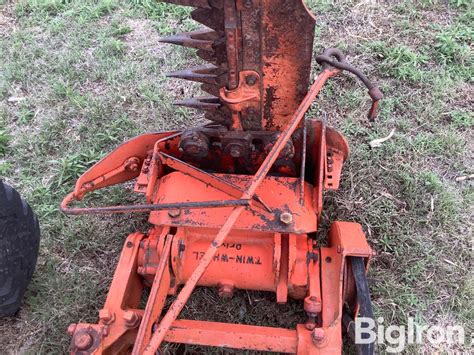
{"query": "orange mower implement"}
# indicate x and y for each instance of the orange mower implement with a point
(235, 204)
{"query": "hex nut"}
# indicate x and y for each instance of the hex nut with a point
(106, 316)
(83, 341)
(174, 213)
(286, 218)
(131, 319)
(317, 335)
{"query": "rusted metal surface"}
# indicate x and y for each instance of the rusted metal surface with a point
(286, 58)
(303, 162)
(257, 39)
(334, 58)
(232, 35)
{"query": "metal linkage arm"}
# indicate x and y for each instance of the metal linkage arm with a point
(334, 58)
(262, 172)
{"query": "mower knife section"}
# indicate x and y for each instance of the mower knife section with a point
(234, 204)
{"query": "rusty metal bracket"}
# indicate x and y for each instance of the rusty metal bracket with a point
(246, 94)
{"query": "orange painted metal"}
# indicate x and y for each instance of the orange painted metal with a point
(157, 297)
(115, 167)
(186, 291)
(235, 336)
(241, 254)
(117, 330)
(260, 248)
(277, 191)
(233, 204)
(120, 313)
(246, 95)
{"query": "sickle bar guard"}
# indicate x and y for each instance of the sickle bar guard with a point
(235, 204)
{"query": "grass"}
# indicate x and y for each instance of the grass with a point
(79, 77)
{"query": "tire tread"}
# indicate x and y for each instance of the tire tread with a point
(19, 246)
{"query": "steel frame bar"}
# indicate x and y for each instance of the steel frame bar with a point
(236, 336)
(156, 299)
(149, 207)
(217, 182)
(303, 163)
(262, 172)
(199, 174)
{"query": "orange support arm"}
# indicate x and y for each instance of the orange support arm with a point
(188, 288)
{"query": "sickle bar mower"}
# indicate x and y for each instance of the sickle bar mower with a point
(235, 204)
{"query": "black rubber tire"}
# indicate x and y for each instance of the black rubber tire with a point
(19, 246)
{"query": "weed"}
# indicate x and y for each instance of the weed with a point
(453, 44)
(160, 10)
(69, 168)
(462, 119)
(400, 61)
(461, 3)
(5, 168)
(117, 30)
(50, 7)
(113, 47)
(448, 143)
(25, 114)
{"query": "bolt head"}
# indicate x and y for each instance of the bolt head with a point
(312, 305)
(131, 319)
(174, 213)
(251, 80)
(105, 315)
(132, 164)
(286, 218)
(226, 291)
(129, 316)
(317, 335)
(83, 341)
